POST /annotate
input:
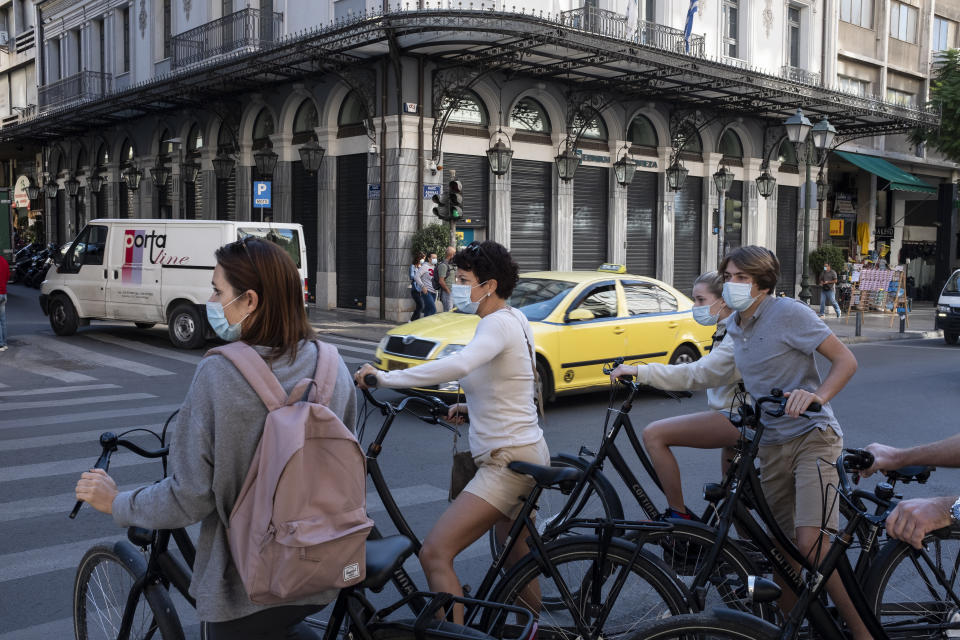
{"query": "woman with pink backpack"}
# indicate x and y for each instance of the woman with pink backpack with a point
(257, 299)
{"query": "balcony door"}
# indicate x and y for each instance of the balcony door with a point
(266, 21)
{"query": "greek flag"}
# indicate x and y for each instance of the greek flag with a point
(633, 19)
(689, 27)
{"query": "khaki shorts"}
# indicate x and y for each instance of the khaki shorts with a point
(794, 476)
(502, 488)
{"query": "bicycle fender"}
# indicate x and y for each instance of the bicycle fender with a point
(157, 596)
(608, 489)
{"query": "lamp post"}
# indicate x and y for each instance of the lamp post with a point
(723, 179)
(223, 166)
(766, 183)
(799, 129)
(624, 168)
(311, 156)
(567, 161)
(676, 175)
(95, 181)
(266, 161)
(499, 155)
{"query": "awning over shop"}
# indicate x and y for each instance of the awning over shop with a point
(899, 179)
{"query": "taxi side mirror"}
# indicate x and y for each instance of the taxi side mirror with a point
(579, 315)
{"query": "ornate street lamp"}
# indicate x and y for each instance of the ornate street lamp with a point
(823, 133)
(33, 191)
(567, 161)
(131, 177)
(189, 171)
(94, 182)
(72, 186)
(676, 175)
(499, 155)
(266, 161)
(160, 173)
(766, 183)
(223, 166)
(624, 168)
(823, 187)
(50, 187)
(723, 178)
(798, 126)
(311, 155)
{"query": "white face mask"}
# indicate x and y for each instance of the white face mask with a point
(703, 316)
(737, 295)
(460, 296)
(433, 261)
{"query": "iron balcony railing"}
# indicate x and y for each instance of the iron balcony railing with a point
(244, 30)
(615, 25)
(797, 74)
(86, 85)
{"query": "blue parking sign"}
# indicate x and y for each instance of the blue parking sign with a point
(261, 194)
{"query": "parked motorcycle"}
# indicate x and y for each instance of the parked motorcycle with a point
(23, 261)
(42, 263)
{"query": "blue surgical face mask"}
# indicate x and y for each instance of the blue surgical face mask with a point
(460, 295)
(703, 316)
(737, 295)
(220, 324)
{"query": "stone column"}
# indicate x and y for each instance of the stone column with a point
(562, 241)
(402, 211)
(767, 218)
(244, 177)
(326, 276)
(282, 179)
(175, 187)
(711, 162)
(498, 226)
(616, 213)
(752, 232)
(665, 221)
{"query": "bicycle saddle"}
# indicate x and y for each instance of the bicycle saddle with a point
(546, 476)
(917, 472)
(384, 556)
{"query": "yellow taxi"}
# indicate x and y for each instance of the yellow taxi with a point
(580, 320)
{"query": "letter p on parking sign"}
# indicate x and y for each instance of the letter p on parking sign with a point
(261, 194)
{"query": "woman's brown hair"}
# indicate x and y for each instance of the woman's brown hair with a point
(280, 321)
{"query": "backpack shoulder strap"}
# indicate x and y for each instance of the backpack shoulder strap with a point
(327, 371)
(255, 371)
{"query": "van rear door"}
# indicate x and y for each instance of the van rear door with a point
(133, 281)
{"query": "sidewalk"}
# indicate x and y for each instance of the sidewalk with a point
(875, 326)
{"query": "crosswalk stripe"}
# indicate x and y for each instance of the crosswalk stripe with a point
(74, 437)
(45, 370)
(66, 349)
(39, 421)
(44, 505)
(145, 348)
(69, 402)
(344, 340)
(61, 467)
(346, 351)
(62, 628)
(71, 389)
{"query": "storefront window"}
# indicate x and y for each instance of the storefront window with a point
(529, 115)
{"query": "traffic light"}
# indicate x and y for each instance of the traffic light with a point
(455, 201)
(442, 208)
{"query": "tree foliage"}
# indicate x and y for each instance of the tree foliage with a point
(945, 96)
(433, 238)
(829, 254)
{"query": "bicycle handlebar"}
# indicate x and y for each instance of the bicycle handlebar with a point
(110, 442)
(434, 405)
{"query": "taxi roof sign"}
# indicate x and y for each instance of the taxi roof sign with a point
(612, 268)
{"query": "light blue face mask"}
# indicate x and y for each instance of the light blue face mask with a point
(737, 295)
(460, 295)
(219, 323)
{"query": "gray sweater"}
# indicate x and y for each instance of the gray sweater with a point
(216, 434)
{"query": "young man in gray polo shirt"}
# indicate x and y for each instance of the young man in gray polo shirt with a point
(774, 342)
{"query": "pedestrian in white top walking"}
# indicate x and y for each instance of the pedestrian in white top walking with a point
(495, 371)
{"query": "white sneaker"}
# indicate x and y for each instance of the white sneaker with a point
(3, 348)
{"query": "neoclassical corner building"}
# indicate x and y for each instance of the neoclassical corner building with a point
(172, 108)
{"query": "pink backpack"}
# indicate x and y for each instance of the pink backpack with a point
(300, 524)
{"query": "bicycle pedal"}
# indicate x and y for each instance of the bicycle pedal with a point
(466, 590)
(586, 452)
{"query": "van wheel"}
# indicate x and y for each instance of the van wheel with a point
(145, 325)
(683, 355)
(950, 338)
(185, 327)
(63, 316)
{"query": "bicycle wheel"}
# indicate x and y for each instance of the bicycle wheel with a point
(721, 623)
(648, 590)
(100, 592)
(598, 499)
(685, 549)
(910, 587)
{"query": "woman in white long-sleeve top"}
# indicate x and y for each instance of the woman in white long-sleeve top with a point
(717, 373)
(496, 371)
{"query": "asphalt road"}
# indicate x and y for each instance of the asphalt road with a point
(58, 394)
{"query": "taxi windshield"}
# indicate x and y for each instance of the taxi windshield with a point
(953, 285)
(538, 297)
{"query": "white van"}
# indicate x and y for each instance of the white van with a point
(149, 272)
(948, 309)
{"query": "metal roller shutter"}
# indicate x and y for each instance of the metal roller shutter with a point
(531, 194)
(193, 198)
(590, 218)
(352, 231)
(687, 239)
(733, 216)
(305, 213)
(787, 208)
(227, 197)
(642, 224)
(124, 199)
(474, 173)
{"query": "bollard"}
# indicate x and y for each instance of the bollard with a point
(859, 322)
(902, 312)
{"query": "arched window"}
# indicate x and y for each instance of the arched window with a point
(787, 154)
(352, 111)
(468, 110)
(102, 157)
(642, 133)
(529, 115)
(82, 161)
(263, 128)
(166, 147)
(194, 139)
(730, 145)
(126, 152)
(595, 129)
(225, 142)
(693, 144)
(305, 121)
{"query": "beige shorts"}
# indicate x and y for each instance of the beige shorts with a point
(794, 476)
(502, 488)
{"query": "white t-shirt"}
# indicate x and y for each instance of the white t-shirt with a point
(495, 371)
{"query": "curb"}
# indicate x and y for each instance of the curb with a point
(908, 335)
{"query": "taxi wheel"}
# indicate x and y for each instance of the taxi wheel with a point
(950, 338)
(546, 382)
(683, 355)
